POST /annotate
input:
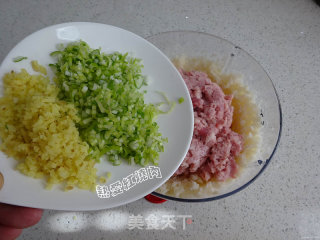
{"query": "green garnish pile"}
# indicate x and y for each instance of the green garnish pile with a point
(105, 88)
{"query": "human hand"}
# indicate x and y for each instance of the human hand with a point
(13, 219)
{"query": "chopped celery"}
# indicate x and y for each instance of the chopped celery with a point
(181, 100)
(19, 59)
(114, 119)
(171, 104)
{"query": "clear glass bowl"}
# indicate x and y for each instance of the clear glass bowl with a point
(196, 44)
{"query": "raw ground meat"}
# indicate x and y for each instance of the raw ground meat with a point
(214, 145)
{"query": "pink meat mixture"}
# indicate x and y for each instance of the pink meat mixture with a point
(214, 145)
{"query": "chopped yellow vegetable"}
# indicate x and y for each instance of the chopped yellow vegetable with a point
(38, 68)
(38, 130)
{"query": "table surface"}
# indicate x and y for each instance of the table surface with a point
(284, 36)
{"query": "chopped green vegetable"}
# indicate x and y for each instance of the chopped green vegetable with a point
(38, 68)
(114, 120)
(171, 104)
(55, 53)
(181, 100)
(19, 59)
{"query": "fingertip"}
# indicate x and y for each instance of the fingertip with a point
(31, 216)
(8, 233)
(19, 217)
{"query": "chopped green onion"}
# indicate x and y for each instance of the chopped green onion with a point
(164, 96)
(55, 53)
(114, 119)
(19, 59)
(171, 104)
(181, 100)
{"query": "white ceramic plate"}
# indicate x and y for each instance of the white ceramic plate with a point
(176, 126)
